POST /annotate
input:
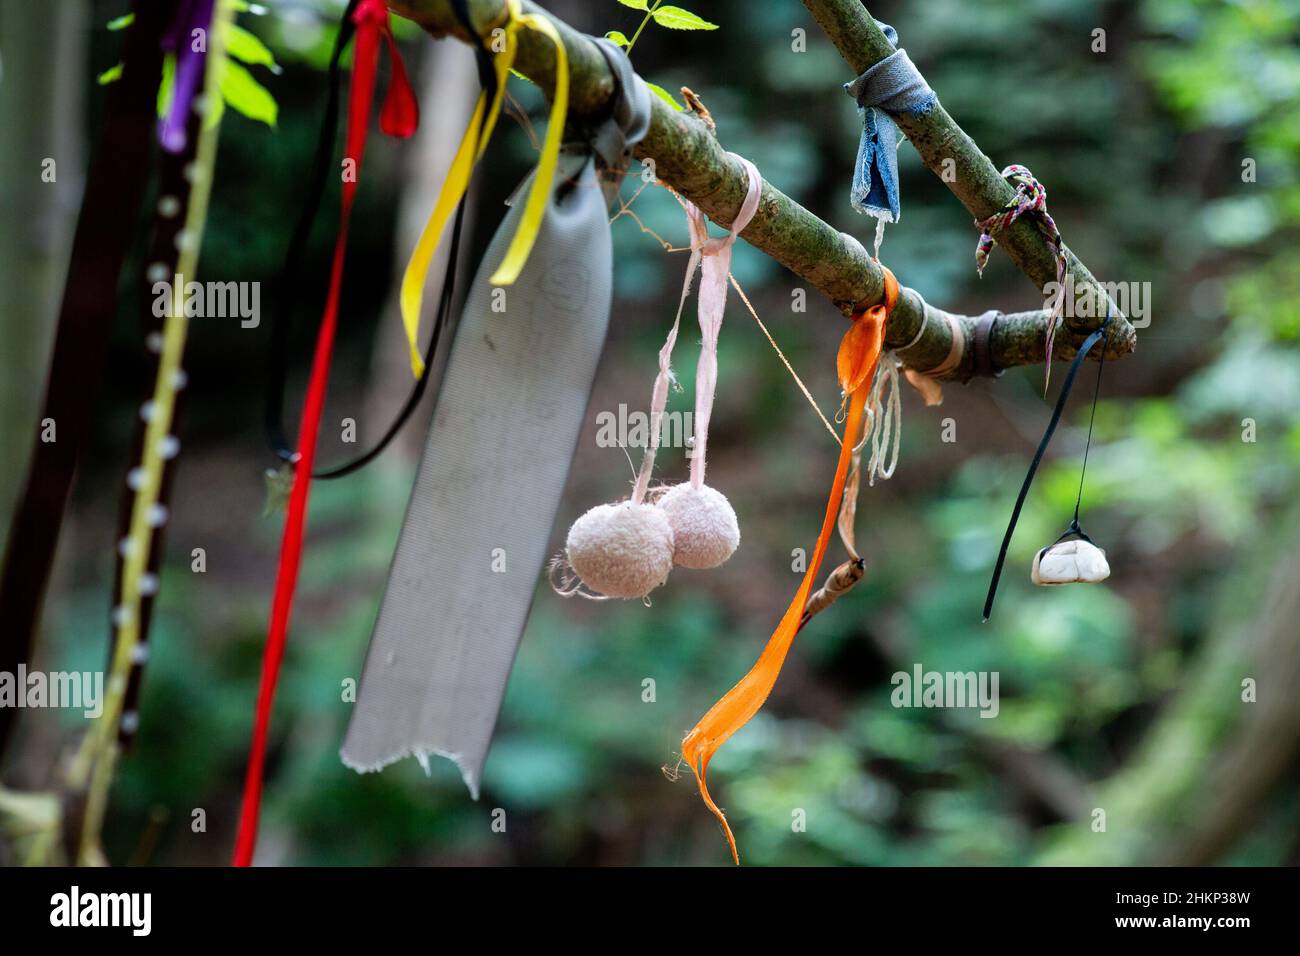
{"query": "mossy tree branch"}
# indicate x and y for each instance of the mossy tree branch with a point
(688, 157)
(954, 157)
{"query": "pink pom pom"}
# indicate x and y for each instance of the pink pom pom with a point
(705, 531)
(621, 550)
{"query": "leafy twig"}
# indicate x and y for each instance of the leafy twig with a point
(644, 20)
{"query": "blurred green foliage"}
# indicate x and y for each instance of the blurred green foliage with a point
(1142, 147)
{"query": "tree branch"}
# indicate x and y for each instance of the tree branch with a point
(689, 158)
(972, 177)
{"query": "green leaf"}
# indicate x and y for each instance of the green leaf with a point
(664, 95)
(122, 22)
(634, 4)
(247, 96)
(110, 75)
(216, 109)
(617, 38)
(675, 18)
(248, 48)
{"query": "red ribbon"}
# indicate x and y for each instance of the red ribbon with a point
(398, 117)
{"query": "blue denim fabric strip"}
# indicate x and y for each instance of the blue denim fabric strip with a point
(892, 86)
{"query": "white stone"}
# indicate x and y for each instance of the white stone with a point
(1070, 562)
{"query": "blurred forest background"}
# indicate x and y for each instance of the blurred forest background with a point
(1125, 696)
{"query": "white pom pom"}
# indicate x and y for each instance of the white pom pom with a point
(621, 550)
(704, 525)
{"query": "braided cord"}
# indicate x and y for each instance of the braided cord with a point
(1030, 199)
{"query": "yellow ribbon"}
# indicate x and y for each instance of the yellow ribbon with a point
(472, 146)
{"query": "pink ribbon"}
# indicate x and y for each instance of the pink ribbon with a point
(715, 256)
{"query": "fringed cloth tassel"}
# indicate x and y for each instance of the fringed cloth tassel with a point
(858, 356)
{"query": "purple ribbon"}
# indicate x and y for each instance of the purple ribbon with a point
(191, 15)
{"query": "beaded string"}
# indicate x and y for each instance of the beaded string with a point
(97, 758)
(169, 225)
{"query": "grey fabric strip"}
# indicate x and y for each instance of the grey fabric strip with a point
(630, 121)
(512, 405)
(894, 85)
(982, 351)
(475, 538)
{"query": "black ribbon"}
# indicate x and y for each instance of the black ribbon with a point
(1084, 349)
(321, 165)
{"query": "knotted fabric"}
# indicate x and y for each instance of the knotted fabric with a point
(891, 87)
(615, 138)
(1030, 198)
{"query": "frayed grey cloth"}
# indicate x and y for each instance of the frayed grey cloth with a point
(630, 120)
(892, 86)
(474, 541)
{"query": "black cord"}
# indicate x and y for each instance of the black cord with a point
(1092, 418)
(278, 366)
(1084, 349)
(417, 392)
(279, 363)
(487, 74)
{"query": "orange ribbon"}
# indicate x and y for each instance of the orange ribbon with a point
(856, 363)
